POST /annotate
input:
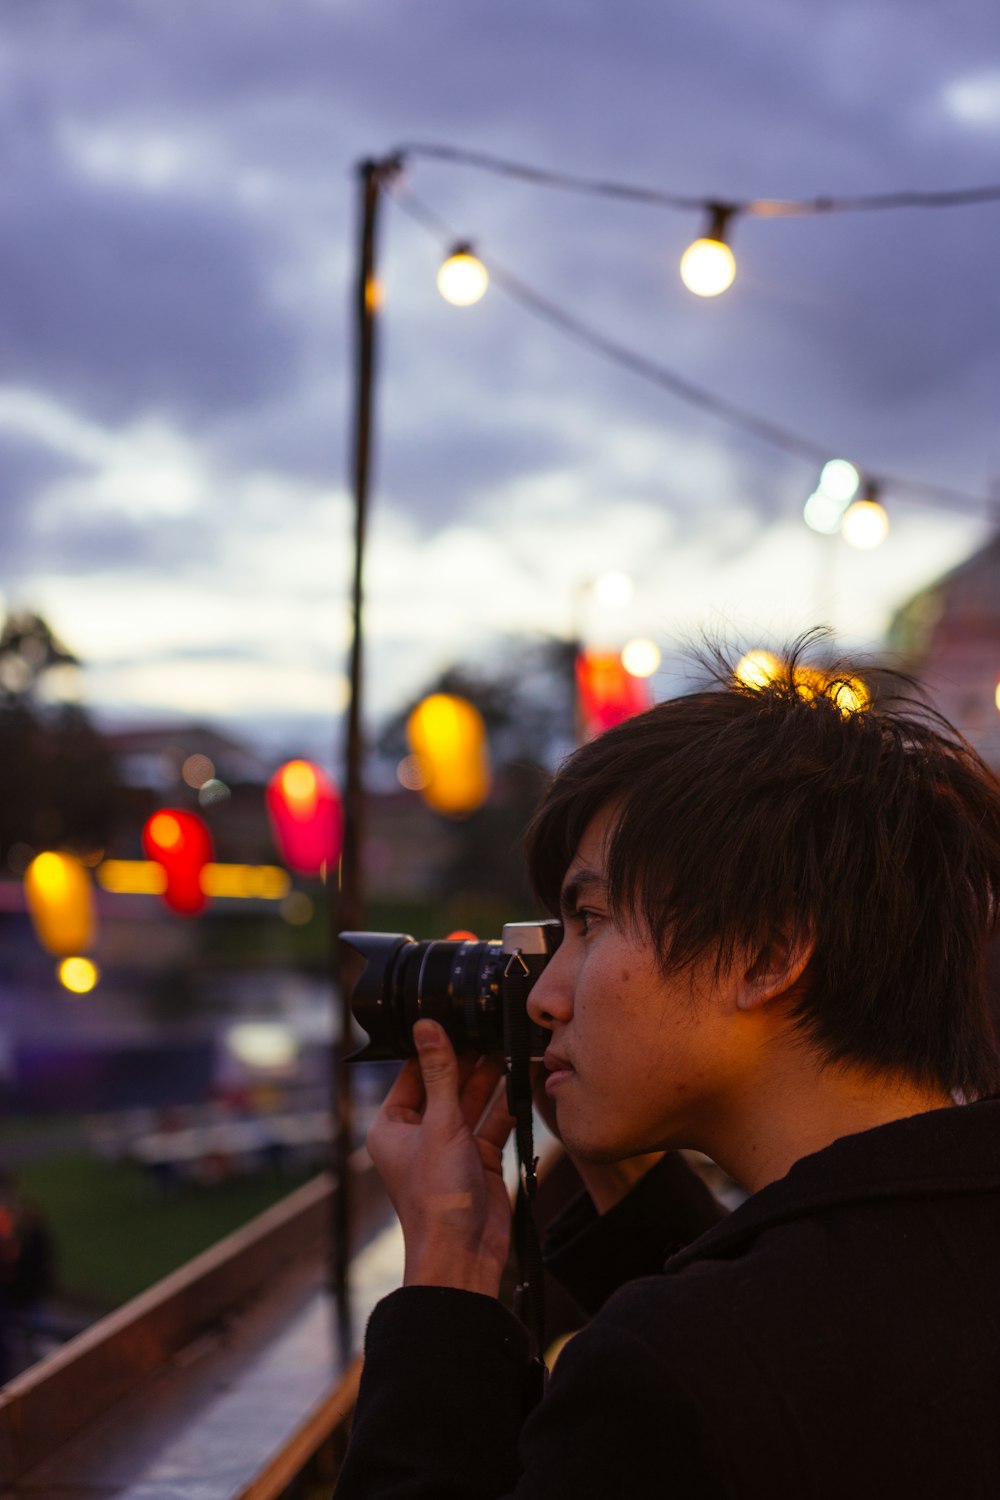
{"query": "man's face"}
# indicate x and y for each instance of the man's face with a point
(647, 1061)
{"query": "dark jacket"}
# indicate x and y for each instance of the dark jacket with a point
(838, 1335)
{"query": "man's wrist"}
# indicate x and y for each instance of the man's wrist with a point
(463, 1272)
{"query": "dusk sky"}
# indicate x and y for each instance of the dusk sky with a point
(177, 242)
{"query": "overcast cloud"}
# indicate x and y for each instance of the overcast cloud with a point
(177, 224)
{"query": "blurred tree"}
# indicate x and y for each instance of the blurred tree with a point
(58, 784)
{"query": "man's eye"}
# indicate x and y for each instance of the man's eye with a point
(586, 919)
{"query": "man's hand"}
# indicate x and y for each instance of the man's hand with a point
(437, 1143)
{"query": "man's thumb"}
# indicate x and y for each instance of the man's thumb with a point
(437, 1063)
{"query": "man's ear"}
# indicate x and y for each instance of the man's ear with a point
(777, 969)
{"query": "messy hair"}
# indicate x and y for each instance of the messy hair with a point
(804, 802)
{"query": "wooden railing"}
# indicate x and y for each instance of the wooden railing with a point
(227, 1378)
(221, 1381)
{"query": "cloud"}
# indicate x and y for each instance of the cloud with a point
(179, 217)
(974, 100)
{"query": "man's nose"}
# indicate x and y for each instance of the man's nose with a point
(550, 1002)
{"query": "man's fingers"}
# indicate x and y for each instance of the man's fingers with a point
(478, 1089)
(407, 1091)
(438, 1069)
(497, 1121)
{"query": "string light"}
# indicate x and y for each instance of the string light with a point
(641, 657)
(866, 523)
(462, 279)
(766, 431)
(708, 266)
(838, 484)
(840, 480)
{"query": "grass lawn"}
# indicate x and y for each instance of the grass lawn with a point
(116, 1233)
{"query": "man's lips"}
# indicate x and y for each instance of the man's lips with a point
(558, 1070)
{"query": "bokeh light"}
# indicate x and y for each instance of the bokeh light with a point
(306, 818)
(839, 480)
(196, 770)
(708, 267)
(865, 525)
(266, 1046)
(823, 513)
(757, 668)
(180, 842)
(462, 279)
(850, 694)
(613, 590)
(60, 900)
(641, 657)
(78, 975)
(413, 773)
(606, 693)
(212, 792)
(448, 735)
(297, 909)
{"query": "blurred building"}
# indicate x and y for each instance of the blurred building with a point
(948, 637)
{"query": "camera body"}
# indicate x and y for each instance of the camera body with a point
(475, 989)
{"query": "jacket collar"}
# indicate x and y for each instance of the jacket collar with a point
(940, 1152)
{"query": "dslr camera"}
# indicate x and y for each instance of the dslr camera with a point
(476, 990)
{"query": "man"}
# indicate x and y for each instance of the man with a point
(776, 903)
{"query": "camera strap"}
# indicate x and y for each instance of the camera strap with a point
(529, 1296)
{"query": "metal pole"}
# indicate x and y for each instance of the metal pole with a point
(348, 905)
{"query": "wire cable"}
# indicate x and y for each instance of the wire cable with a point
(769, 208)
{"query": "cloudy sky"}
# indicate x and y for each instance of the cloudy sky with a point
(177, 241)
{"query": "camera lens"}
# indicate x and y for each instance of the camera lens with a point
(456, 983)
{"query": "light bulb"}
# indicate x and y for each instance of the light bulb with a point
(865, 524)
(78, 975)
(839, 480)
(462, 278)
(823, 513)
(708, 266)
(758, 668)
(641, 657)
(613, 590)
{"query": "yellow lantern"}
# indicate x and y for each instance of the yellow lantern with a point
(448, 736)
(60, 899)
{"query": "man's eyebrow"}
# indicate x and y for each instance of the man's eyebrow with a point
(584, 883)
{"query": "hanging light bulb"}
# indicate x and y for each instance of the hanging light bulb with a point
(462, 278)
(840, 480)
(823, 513)
(865, 524)
(708, 266)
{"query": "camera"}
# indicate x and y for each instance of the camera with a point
(475, 990)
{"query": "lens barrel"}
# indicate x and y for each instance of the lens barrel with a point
(457, 982)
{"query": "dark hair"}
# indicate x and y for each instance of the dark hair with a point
(794, 806)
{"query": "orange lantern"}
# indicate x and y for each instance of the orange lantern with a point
(448, 735)
(60, 899)
(306, 817)
(181, 844)
(607, 694)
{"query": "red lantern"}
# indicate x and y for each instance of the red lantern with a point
(306, 818)
(181, 844)
(606, 693)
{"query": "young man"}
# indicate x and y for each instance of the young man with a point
(776, 904)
